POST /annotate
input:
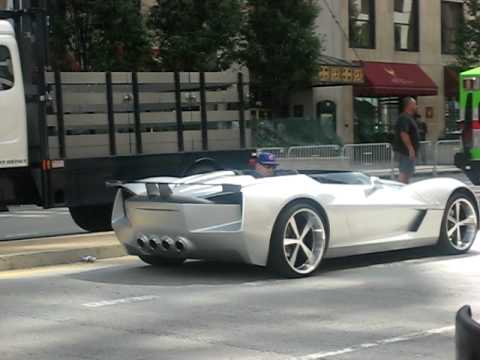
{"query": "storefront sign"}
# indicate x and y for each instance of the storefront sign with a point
(341, 74)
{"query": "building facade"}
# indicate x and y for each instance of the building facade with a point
(404, 47)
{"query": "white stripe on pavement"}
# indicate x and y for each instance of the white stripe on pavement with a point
(393, 340)
(22, 216)
(129, 300)
(24, 235)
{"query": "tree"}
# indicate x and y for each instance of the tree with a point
(468, 40)
(280, 48)
(193, 35)
(98, 35)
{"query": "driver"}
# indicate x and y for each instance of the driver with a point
(265, 164)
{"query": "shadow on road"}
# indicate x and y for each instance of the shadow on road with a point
(217, 273)
(190, 273)
(424, 254)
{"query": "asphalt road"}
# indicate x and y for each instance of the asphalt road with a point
(25, 222)
(388, 306)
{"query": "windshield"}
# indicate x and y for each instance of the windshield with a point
(6, 69)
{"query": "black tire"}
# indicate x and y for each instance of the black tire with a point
(277, 261)
(93, 218)
(159, 261)
(444, 245)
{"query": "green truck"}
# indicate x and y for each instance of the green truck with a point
(469, 159)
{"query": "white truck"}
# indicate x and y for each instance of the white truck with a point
(63, 135)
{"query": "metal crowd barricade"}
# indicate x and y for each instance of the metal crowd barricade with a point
(426, 153)
(370, 156)
(445, 151)
(364, 157)
(315, 151)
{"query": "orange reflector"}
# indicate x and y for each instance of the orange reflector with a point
(52, 164)
(46, 165)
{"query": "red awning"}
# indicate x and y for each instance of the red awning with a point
(392, 79)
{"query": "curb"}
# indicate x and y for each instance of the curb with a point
(49, 257)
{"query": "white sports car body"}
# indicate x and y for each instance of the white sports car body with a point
(289, 222)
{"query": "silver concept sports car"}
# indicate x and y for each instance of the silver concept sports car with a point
(289, 223)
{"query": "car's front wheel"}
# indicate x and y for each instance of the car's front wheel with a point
(299, 241)
(159, 261)
(459, 225)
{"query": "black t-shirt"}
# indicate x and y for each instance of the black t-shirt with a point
(406, 123)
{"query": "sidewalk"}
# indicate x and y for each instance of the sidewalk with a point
(24, 254)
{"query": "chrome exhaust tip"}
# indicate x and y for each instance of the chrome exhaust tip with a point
(141, 242)
(179, 246)
(166, 243)
(153, 244)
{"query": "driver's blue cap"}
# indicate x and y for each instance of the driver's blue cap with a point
(266, 158)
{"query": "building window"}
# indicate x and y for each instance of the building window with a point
(362, 23)
(6, 69)
(452, 18)
(374, 118)
(406, 25)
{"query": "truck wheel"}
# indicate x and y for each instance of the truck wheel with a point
(93, 218)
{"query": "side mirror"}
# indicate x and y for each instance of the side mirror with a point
(376, 181)
(375, 184)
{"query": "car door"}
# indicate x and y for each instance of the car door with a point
(376, 211)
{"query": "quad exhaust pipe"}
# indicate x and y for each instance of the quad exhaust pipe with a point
(165, 244)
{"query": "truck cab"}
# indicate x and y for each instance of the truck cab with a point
(13, 127)
(469, 159)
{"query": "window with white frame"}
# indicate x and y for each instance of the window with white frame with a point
(405, 18)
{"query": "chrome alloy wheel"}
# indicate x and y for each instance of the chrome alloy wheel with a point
(304, 241)
(462, 224)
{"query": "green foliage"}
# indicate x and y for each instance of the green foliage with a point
(193, 35)
(280, 48)
(468, 42)
(98, 35)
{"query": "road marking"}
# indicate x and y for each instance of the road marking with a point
(22, 216)
(129, 300)
(60, 270)
(25, 235)
(387, 341)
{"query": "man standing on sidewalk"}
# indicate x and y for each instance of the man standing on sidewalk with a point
(406, 141)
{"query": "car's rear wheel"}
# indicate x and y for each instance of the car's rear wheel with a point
(299, 241)
(160, 261)
(459, 224)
